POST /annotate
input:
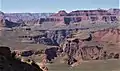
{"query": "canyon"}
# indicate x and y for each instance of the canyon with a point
(69, 38)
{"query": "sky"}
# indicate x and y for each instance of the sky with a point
(53, 6)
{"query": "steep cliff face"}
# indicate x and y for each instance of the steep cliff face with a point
(77, 49)
(1, 15)
(9, 24)
(108, 35)
(1, 19)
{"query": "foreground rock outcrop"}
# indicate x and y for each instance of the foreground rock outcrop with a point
(9, 63)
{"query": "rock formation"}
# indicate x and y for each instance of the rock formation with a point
(9, 63)
(108, 35)
(1, 19)
(78, 49)
(62, 16)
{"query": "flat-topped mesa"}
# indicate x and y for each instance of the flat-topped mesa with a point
(99, 15)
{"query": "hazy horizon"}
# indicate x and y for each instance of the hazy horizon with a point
(60, 10)
(53, 6)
